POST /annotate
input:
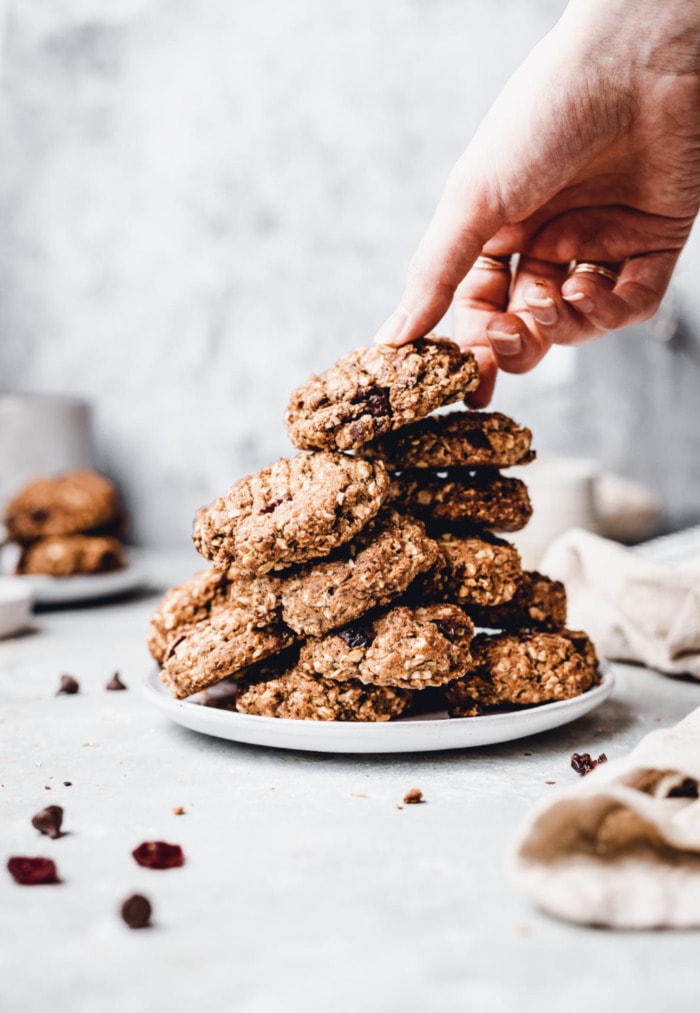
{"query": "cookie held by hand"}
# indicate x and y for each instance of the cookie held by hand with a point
(372, 391)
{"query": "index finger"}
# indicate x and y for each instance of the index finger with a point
(466, 216)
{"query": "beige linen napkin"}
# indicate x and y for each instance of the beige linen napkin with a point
(633, 608)
(622, 848)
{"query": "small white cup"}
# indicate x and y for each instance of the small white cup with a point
(41, 435)
(562, 492)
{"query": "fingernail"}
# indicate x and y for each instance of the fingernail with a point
(504, 343)
(544, 310)
(391, 329)
(580, 300)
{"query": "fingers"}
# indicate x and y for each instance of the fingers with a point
(548, 307)
(483, 292)
(635, 297)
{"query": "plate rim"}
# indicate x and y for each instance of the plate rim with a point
(375, 736)
(45, 589)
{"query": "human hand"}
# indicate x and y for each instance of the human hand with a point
(591, 153)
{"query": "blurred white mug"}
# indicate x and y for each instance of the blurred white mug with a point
(563, 496)
(41, 435)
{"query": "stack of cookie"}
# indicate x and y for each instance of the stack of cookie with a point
(347, 581)
(72, 524)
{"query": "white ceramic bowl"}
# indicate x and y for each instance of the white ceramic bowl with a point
(16, 601)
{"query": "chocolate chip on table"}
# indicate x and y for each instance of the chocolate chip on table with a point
(159, 855)
(49, 821)
(688, 788)
(583, 763)
(68, 685)
(32, 871)
(136, 911)
(115, 682)
(413, 797)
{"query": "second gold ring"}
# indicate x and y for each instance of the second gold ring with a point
(584, 267)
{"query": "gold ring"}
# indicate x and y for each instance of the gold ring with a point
(605, 272)
(485, 263)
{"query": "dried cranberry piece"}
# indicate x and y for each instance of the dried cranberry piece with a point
(69, 685)
(159, 855)
(136, 911)
(32, 871)
(268, 509)
(583, 763)
(40, 515)
(378, 404)
(356, 636)
(49, 821)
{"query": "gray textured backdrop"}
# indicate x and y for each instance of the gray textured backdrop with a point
(202, 201)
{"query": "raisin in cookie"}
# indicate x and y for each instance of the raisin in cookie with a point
(81, 501)
(372, 570)
(217, 648)
(304, 697)
(409, 647)
(205, 594)
(538, 604)
(523, 669)
(291, 512)
(457, 440)
(371, 391)
(472, 570)
(67, 555)
(481, 497)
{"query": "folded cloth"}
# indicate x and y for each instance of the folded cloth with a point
(633, 608)
(622, 849)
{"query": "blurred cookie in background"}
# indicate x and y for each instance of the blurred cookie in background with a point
(70, 524)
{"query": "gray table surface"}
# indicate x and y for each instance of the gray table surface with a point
(306, 885)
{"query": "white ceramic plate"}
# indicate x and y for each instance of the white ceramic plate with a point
(407, 735)
(85, 587)
(15, 607)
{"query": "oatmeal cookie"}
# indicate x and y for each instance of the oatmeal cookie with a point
(481, 497)
(219, 647)
(81, 501)
(515, 670)
(465, 439)
(371, 391)
(205, 594)
(410, 647)
(372, 570)
(538, 604)
(291, 512)
(472, 570)
(312, 698)
(67, 555)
